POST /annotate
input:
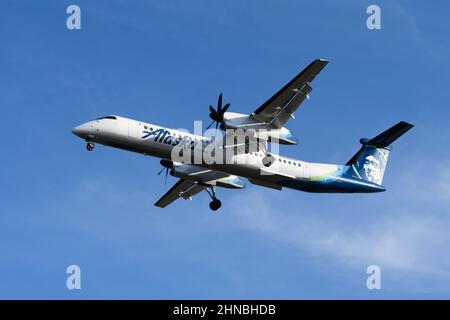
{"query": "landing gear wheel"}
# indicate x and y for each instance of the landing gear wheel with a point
(215, 204)
(90, 146)
(268, 160)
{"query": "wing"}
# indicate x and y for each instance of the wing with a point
(281, 106)
(196, 180)
(183, 188)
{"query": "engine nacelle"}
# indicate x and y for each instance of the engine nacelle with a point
(190, 172)
(233, 120)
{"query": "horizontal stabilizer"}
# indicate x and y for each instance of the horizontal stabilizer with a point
(387, 137)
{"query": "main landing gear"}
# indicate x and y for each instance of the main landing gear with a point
(268, 159)
(90, 146)
(215, 204)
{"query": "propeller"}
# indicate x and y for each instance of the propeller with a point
(166, 165)
(217, 114)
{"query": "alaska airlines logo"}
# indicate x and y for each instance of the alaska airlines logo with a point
(372, 169)
(162, 136)
(165, 137)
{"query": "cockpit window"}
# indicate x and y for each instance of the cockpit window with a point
(108, 117)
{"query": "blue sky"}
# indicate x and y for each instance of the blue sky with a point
(165, 62)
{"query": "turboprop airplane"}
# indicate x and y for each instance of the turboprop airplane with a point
(203, 163)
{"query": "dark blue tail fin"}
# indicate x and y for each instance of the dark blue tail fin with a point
(370, 161)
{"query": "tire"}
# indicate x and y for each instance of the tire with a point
(215, 204)
(90, 146)
(267, 161)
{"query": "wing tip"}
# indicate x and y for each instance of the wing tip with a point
(322, 60)
(406, 124)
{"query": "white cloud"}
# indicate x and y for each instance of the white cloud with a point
(402, 233)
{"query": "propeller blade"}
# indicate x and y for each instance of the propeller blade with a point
(159, 173)
(219, 104)
(217, 114)
(167, 172)
(225, 108)
(210, 125)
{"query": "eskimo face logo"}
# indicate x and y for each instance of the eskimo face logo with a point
(372, 169)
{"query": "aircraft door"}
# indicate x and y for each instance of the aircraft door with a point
(132, 129)
(306, 171)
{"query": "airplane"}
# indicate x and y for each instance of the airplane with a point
(363, 173)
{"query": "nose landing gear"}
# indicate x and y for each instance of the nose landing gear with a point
(215, 204)
(90, 146)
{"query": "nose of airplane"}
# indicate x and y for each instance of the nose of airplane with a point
(80, 131)
(77, 130)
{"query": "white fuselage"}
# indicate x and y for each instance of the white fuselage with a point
(130, 135)
(136, 136)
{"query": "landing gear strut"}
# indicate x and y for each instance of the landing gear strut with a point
(90, 146)
(215, 204)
